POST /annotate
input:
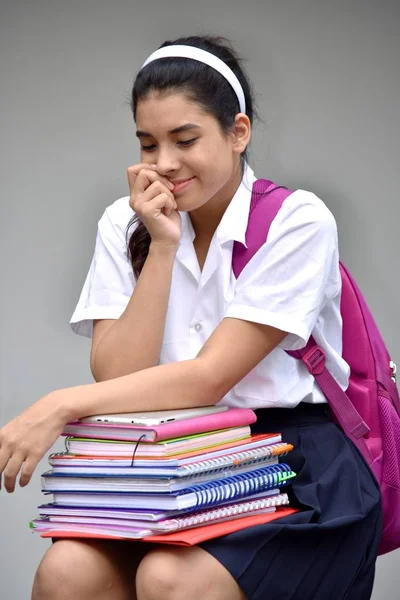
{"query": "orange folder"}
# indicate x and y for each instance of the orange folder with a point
(188, 537)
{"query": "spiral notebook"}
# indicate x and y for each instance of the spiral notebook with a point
(169, 452)
(192, 536)
(190, 467)
(135, 514)
(137, 529)
(195, 497)
(130, 482)
(224, 513)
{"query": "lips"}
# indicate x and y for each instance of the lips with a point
(179, 181)
(180, 184)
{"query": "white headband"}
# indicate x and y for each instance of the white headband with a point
(205, 57)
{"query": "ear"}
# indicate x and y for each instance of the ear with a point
(241, 132)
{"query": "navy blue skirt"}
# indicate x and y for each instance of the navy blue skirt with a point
(328, 550)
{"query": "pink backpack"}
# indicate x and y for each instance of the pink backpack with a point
(369, 411)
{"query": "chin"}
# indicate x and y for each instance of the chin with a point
(188, 204)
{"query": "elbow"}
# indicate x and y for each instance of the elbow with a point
(95, 372)
(105, 373)
(93, 366)
(100, 372)
(108, 369)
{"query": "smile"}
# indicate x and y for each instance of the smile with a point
(181, 184)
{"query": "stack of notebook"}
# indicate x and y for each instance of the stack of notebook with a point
(137, 482)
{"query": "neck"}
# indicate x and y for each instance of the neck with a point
(206, 219)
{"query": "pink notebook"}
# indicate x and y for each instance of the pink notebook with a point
(234, 417)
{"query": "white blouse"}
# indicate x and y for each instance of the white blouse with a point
(292, 283)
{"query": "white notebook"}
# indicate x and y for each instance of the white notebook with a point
(138, 529)
(121, 512)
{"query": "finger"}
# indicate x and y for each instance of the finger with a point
(146, 177)
(138, 201)
(134, 170)
(5, 454)
(156, 188)
(28, 468)
(169, 206)
(11, 471)
(160, 202)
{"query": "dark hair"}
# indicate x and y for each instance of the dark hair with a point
(200, 83)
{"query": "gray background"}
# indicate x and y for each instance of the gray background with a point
(326, 76)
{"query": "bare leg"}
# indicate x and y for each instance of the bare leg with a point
(87, 569)
(177, 573)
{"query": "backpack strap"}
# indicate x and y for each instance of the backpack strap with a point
(266, 201)
(342, 407)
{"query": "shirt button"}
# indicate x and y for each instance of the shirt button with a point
(198, 327)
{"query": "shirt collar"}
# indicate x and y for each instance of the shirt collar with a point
(233, 224)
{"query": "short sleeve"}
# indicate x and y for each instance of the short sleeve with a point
(295, 274)
(110, 281)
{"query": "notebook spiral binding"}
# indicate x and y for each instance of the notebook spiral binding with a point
(238, 459)
(240, 486)
(245, 508)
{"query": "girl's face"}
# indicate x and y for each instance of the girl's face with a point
(189, 148)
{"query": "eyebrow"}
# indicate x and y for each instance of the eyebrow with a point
(180, 129)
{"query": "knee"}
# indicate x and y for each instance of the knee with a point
(158, 576)
(70, 569)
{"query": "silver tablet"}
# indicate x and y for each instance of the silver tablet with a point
(154, 418)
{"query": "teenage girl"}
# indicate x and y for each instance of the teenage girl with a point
(172, 328)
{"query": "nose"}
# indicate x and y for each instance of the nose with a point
(167, 162)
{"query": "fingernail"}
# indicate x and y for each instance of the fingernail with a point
(171, 185)
(153, 166)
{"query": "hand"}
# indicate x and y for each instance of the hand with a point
(152, 200)
(26, 439)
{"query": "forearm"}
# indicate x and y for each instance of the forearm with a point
(176, 385)
(134, 341)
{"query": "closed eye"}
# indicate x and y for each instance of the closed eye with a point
(187, 142)
(183, 143)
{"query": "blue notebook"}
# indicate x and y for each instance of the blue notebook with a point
(204, 495)
(131, 482)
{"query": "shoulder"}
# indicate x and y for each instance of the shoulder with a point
(304, 214)
(116, 219)
(306, 207)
